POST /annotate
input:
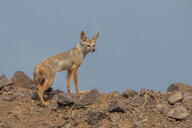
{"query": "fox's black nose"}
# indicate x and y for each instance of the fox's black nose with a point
(93, 50)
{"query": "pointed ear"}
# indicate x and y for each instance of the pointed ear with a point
(83, 36)
(96, 36)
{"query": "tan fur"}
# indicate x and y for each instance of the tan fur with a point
(44, 73)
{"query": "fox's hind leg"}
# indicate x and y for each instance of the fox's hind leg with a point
(74, 70)
(40, 90)
(47, 84)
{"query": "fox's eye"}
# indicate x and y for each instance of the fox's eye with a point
(88, 45)
(93, 45)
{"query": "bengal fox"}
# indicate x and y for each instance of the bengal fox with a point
(44, 73)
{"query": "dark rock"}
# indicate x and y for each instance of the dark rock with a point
(88, 99)
(178, 113)
(94, 117)
(7, 88)
(129, 93)
(13, 97)
(4, 81)
(137, 101)
(179, 87)
(22, 80)
(175, 98)
(34, 96)
(117, 106)
(49, 90)
(55, 107)
(64, 99)
(56, 92)
(48, 94)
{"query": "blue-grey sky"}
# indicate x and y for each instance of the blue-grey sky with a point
(142, 43)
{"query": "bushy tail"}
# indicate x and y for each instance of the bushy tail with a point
(38, 77)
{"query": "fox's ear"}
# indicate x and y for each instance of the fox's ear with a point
(83, 36)
(96, 36)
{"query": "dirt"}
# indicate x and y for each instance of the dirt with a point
(20, 108)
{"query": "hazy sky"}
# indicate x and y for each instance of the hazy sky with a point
(142, 43)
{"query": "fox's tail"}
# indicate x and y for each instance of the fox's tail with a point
(38, 76)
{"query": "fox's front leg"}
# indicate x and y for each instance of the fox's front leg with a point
(74, 70)
(69, 81)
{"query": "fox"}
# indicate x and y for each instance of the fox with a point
(45, 72)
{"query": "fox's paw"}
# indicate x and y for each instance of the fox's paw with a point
(86, 91)
(45, 104)
(70, 92)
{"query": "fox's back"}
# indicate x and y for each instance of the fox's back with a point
(64, 61)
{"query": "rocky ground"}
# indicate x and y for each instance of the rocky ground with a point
(20, 107)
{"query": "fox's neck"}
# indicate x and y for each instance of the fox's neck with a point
(82, 49)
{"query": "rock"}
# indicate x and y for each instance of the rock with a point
(56, 92)
(19, 95)
(114, 117)
(179, 87)
(187, 97)
(94, 117)
(142, 92)
(64, 99)
(22, 80)
(129, 93)
(127, 124)
(152, 94)
(88, 99)
(114, 94)
(178, 113)
(7, 88)
(34, 96)
(160, 108)
(4, 81)
(175, 98)
(49, 90)
(67, 125)
(13, 97)
(117, 106)
(4, 125)
(55, 107)
(49, 93)
(137, 101)
(9, 98)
